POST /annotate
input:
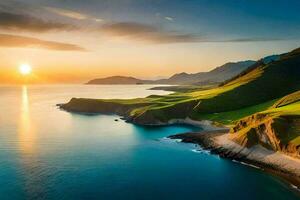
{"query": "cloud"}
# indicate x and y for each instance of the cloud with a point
(98, 19)
(147, 33)
(169, 18)
(29, 42)
(67, 13)
(22, 22)
(153, 34)
(72, 14)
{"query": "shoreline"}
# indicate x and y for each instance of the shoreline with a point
(205, 124)
(275, 163)
(214, 139)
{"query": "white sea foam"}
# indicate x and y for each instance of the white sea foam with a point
(196, 150)
(178, 140)
(200, 151)
(243, 163)
(295, 187)
(170, 140)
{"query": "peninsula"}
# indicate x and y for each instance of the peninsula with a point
(260, 105)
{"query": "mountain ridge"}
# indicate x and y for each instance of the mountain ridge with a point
(217, 75)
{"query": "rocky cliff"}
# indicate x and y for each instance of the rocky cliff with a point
(277, 133)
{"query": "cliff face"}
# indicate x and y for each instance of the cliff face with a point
(277, 133)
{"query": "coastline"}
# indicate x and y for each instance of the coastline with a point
(206, 125)
(216, 141)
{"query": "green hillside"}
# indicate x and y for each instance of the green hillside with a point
(254, 90)
(251, 92)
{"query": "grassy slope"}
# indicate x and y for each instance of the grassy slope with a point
(289, 99)
(274, 106)
(240, 97)
(244, 95)
(231, 117)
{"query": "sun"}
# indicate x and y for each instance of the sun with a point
(25, 69)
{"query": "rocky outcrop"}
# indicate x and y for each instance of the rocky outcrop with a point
(218, 142)
(275, 133)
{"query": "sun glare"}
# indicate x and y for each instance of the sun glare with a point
(25, 69)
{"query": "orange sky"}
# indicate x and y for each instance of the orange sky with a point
(128, 59)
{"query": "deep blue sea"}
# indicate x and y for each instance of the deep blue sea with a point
(47, 153)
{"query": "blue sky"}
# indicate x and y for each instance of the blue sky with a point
(269, 19)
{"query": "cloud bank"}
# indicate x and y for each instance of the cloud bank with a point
(22, 22)
(147, 33)
(67, 13)
(14, 41)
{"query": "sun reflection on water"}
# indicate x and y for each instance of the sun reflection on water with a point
(26, 132)
(31, 167)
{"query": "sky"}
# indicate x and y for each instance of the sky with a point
(73, 41)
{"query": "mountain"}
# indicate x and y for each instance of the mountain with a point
(271, 58)
(117, 80)
(214, 76)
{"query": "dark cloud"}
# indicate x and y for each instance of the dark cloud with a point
(22, 22)
(148, 33)
(29, 42)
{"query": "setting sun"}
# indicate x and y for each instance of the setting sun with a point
(25, 69)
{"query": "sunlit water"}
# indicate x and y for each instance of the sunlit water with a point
(46, 153)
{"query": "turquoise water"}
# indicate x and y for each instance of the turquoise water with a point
(46, 153)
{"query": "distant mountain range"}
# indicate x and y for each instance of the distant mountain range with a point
(116, 80)
(216, 75)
